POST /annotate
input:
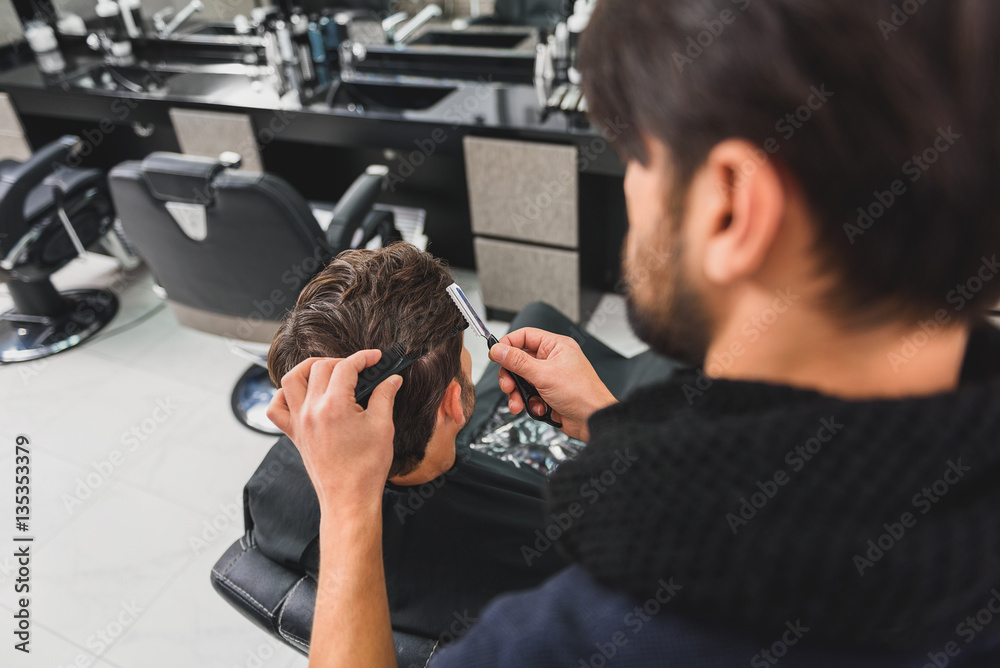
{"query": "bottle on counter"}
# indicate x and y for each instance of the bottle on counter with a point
(299, 26)
(576, 24)
(317, 45)
(112, 25)
(42, 40)
(559, 43)
(71, 24)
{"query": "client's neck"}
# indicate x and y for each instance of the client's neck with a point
(803, 348)
(417, 477)
(439, 458)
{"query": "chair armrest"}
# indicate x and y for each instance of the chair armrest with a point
(282, 601)
(17, 182)
(354, 205)
(377, 223)
(44, 162)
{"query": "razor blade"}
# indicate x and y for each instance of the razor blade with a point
(465, 306)
(526, 389)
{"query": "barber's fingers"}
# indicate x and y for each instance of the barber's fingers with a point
(516, 361)
(537, 407)
(515, 403)
(319, 376)
(383, 398)
(529, 338)
(507, 385)
(278, 413)
(295, 383)
(345, 376)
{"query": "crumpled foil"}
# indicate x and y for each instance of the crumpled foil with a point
(525, 442)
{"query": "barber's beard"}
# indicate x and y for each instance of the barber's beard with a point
(670, 319)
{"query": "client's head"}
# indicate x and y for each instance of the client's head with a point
(375, 299)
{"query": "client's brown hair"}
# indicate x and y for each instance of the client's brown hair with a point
(370, 299)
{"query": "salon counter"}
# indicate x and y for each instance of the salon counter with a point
(322, 144)
(482, 108)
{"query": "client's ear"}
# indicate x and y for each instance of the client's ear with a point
(451, 405)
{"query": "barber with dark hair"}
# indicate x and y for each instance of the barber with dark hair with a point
(813, 225)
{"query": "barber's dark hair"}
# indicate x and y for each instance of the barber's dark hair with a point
(902, 73)
(367, 299)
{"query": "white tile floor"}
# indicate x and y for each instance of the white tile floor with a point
(137, 471)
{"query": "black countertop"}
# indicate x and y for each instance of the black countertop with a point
(474, 108)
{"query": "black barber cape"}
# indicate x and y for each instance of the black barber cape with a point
(449, 546)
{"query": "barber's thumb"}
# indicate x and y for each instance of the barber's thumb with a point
(513, 359)
(384, 396)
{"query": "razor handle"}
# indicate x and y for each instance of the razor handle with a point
(528, 392)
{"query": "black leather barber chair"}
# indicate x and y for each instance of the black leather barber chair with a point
(50, 213)
(281, 600)
(231, 250)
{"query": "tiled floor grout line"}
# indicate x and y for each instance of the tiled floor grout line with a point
(159, 373)
(149, 606)
(66, 640)
(99, 494)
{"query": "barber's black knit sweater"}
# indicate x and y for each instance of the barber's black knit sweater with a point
(875, 522)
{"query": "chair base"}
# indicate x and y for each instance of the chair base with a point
(252, 394)
(27, 337)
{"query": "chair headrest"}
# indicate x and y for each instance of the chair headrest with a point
(173, 177)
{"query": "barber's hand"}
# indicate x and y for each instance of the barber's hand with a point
(561, 373)
(346, 449)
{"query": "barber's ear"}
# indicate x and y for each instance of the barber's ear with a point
(745, 213)
(451, 405)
